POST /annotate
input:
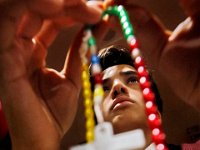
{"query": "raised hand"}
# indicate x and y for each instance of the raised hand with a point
(173, 55)
(39, 103)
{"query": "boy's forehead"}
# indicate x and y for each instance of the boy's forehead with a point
(117, 69)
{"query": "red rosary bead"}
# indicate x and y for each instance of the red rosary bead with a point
(133, 44)
(139, 62)
(158, 138)
(135, 53)
(161, 146)
(150, 110)
(142, 71)
(98, 78)
(145, 85)
(148, 95)
(154, 121)
(155, 131)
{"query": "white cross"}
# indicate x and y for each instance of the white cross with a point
(106, 140)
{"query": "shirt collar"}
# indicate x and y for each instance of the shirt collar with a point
(152, 146)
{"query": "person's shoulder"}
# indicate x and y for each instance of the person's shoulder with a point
(191, 146)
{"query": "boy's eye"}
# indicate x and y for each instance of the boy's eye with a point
(106, 88)
(132, 80)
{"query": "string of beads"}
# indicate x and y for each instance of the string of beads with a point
(88, 42)
(87, 94)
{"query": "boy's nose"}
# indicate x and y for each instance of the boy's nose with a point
(118, 88)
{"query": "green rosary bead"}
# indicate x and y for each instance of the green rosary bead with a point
(91, 41)
(128, 31)
(123, 19)
(123, 13)
(126, 25)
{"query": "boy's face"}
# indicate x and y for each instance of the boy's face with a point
(123, 103)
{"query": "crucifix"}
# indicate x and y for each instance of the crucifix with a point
(106, 140)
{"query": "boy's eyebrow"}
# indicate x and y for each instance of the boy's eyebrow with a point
(124, 73)
(129, 72)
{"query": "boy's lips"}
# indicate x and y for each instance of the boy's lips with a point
(121, 101)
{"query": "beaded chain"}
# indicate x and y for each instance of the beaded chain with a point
(88, 42)
(158, 136)
(87, 95)
(96, 73)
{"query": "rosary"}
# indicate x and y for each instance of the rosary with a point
(101, 137)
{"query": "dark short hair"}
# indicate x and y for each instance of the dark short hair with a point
(116, 55)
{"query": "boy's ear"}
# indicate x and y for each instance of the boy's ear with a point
(159, 115)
